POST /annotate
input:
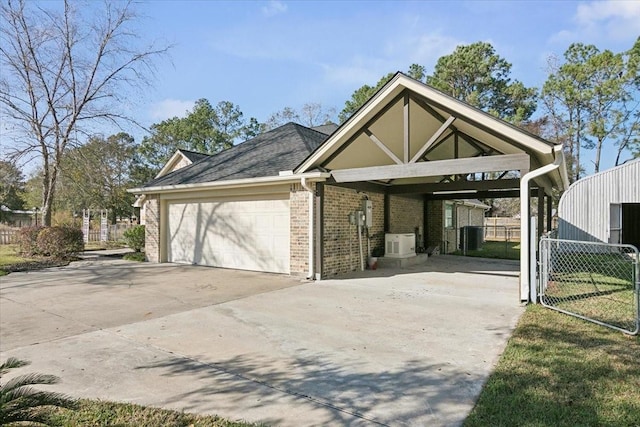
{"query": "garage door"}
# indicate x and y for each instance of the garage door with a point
(241, 234)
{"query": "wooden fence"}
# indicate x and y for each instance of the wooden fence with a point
(9, 236)
(502, 229)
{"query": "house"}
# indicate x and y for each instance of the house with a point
(178, 160)
(459, 214)
(604, 207)
(17, 217)
(288, 201)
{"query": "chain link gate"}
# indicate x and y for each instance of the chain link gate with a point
(594, 281)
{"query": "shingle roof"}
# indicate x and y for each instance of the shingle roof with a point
(280, 149)
(194, 156)
(327, 129)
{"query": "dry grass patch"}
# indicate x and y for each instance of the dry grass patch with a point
(99, 413)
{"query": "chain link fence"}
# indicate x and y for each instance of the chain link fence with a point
(594, 281)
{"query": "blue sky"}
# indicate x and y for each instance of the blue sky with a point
(266, 55)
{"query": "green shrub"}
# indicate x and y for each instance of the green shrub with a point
(135, 256)
(60, 242)
(134, 238)
(28, 240)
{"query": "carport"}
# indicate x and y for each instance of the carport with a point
(409, 148)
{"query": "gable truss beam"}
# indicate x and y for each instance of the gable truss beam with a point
(420, 101)
(439, 143)
(405, 125)
(494, 184)
(484, 194)
(381, 146)
(433, 139)
(435, 168)
(366, 126)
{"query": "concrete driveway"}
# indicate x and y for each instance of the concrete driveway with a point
(380, 349)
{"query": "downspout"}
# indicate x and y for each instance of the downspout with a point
(524, 217)
(306, 186)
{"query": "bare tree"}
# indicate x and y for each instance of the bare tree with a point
(65, 72)
(310, 114)
(314, 114)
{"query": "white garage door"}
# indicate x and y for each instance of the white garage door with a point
(242, 234)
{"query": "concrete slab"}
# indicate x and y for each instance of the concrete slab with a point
(385, 347)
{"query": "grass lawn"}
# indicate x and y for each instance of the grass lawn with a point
(598, 286)
(501, 250)
(99, 413)
(558, 370)
(9, 256)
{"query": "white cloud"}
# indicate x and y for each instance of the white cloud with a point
(603, 20)
(396, 54)
(274, 7)
(168, 108)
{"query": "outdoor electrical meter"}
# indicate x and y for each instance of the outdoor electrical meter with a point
(352, 218)
(367, 208)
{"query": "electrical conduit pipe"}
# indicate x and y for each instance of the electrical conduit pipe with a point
(311, 203)
(524, 218)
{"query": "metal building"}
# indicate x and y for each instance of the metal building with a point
(604, 207)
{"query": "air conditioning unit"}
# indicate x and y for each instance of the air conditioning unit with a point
(400, 245)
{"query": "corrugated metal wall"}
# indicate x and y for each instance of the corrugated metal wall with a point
(584, 208)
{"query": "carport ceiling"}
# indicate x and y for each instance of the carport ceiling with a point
(412, 138)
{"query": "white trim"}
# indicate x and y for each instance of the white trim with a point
(311, 225)
(525, 283)
(503, 162)
(463, 111)
(232, 183)
(171, 163)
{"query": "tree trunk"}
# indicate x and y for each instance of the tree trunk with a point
(578, 148)
(597, 160)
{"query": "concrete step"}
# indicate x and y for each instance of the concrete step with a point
(386, 262)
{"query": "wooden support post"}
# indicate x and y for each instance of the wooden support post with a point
(540, 212)
(549, 213)
(387, 212)
(405, 110)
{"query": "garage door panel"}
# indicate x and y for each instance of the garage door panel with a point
(248, 234)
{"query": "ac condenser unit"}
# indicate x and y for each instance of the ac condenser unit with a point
(400, 245)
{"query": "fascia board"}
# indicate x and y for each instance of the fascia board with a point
(245, 182)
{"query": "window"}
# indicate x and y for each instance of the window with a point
(448, 215)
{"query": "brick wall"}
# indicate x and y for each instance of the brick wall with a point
(435, 222)
(405, 214)
(152, 228)
(299, 230)
(341, 249)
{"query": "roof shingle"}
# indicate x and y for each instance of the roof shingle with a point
(267, 154)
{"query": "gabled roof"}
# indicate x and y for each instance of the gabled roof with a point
(185, 157)
(281, 149)
(327, 129)
(407, 110)
(193, 156)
